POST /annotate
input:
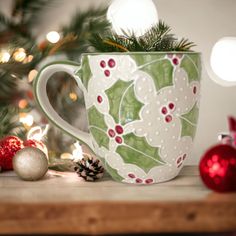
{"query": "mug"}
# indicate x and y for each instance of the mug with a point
(142, 110)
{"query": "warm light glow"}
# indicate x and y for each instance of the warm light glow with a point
(22, 103)
(53, 37)
(132, 16)
(223, 59)
(19, 55)
(26, 119)
(37, 133)
(73, 96)
(66, 156)
(77, 152)
(4, 56)
(32, 74)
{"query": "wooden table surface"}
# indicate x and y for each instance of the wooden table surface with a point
(65, 204)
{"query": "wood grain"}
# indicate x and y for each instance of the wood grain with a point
(66, 205)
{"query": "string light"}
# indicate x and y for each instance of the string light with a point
(19, 55)
(73, 96)
(66, 156)
(4, 56)
(32, 74)
(26, 119)
(22, 103)
(53, 37)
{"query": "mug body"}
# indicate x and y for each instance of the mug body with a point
(142, 112)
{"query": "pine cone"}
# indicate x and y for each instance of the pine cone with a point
(89, 168)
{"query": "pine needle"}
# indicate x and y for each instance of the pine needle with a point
(157, 38)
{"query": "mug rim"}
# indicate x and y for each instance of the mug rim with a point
(140, 53)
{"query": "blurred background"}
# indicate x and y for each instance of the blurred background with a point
(24, 49)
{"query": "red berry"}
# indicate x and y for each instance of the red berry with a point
(179, 160)
(171, 105)
(103, 64)
(111, 63)
(107, 73)
(99, 99)
(132, 176)
(168, 118)
(118, 139)
(8, 148)
(119, 129)
(164, 110)
(194, 89)
(139, 181)
(111, 133)
(149, 181)
(175, 61)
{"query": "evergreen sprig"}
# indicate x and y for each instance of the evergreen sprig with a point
(158, 38)
(9, 124)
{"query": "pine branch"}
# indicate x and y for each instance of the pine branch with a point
(9, 124)
(158, 38)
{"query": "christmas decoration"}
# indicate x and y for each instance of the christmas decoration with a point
(30, 164)
(218, 168)
(9, 146)
(37, 144)
(218, 165)
(157, 38)
(22, 54)
(89, 168)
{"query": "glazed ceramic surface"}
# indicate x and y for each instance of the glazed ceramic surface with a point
(142, 110)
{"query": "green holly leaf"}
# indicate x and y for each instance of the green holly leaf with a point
(189, 122)
(157, 67)
(137, 151)
(191, 63)
(113, 173)
(124, 107)
(98, 127)
(84, 72)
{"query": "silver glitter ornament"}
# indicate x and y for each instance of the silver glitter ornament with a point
(30, 164)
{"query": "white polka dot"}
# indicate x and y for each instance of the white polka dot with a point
(173, 137)
(149, 124)
(144, 79)
(166, 129)
(158, 118)
(184, 78)
(176, 99)
(186, 109)
(185, 97)
(175, 147)
(170, 91)
(165, 100)
(139, 88)
(162, 141)
(150, 139)
(157, 133)
(165, 155)
(150, 90)
(147, 111)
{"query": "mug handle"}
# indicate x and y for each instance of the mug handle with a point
(40, 92)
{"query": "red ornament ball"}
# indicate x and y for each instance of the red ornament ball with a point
(37, 144)
(218, 168)
(8, 148)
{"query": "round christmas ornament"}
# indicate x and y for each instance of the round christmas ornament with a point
(37, 144)
(218, 168)
(89, 168)
(8, 148)
(30, 163)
